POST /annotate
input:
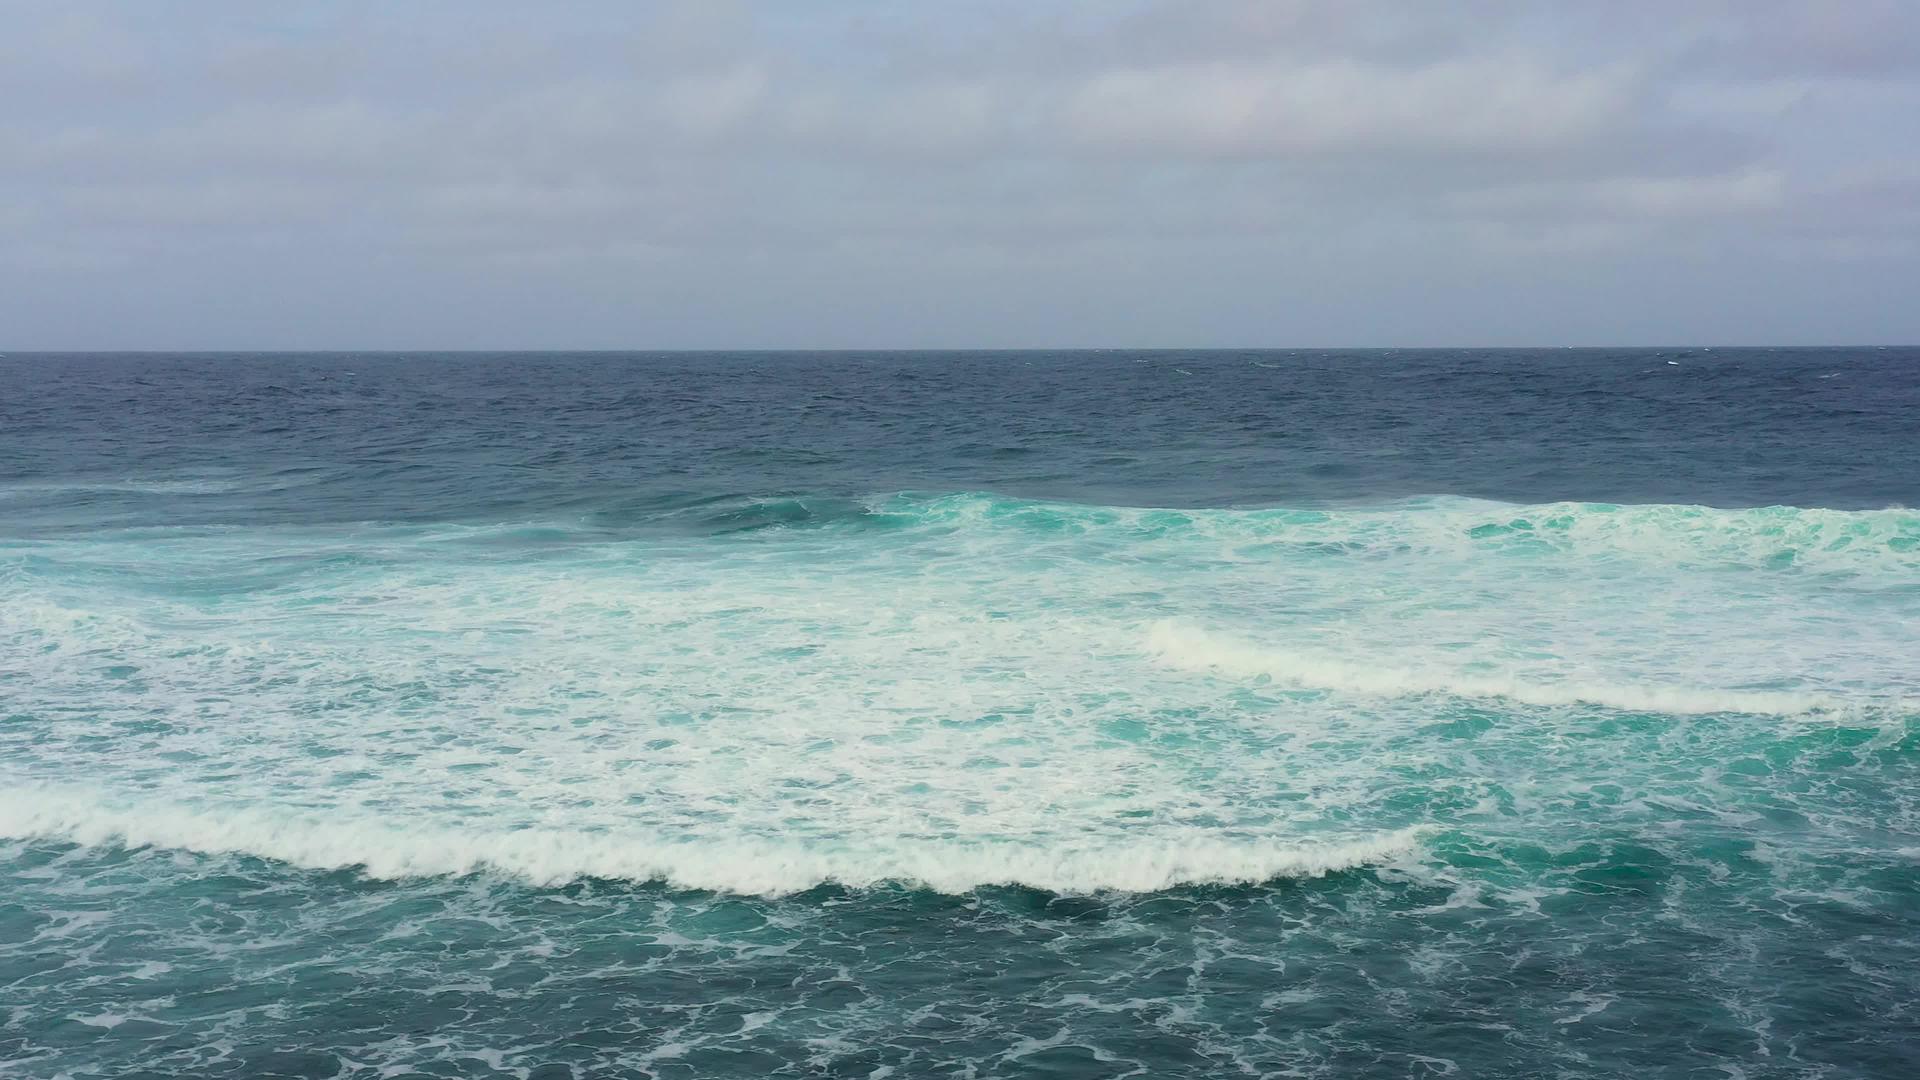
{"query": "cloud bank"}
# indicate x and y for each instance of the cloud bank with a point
(675, 175)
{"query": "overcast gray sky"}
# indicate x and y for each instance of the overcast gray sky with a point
(985, 173)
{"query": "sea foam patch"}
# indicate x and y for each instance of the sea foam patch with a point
(980, 691)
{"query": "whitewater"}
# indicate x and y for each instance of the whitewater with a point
(702, 716)
(967, 691)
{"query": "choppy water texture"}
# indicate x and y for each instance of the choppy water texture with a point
(1481, 714)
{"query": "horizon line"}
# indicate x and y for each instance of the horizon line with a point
(820, 349)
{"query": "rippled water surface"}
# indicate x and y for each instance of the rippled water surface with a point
(1517, 713)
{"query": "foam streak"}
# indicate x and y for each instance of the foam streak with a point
(1197, 650)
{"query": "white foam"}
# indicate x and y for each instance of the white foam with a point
(766, 867)
(960, 698)
(1884, 541)
(1199, 650)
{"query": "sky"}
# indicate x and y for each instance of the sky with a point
(236, 174)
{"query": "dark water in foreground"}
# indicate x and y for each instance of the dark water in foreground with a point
(1509, 713)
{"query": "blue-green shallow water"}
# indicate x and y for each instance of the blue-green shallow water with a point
(1155, 714)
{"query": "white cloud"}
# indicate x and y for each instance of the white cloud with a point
(1630, 197)
(1486, 102)
(713, 103)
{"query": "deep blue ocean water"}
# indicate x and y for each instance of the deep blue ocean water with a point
(1510, 713)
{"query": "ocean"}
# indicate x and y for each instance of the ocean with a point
(1411, 713)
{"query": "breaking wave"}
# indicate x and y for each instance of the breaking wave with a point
(1772, 537)
(549, 857)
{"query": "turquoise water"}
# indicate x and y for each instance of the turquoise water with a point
(615, 778)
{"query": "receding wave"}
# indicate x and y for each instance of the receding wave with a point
(749, 867)
(1198, 650)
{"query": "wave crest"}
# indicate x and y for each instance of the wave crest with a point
(748, 867)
